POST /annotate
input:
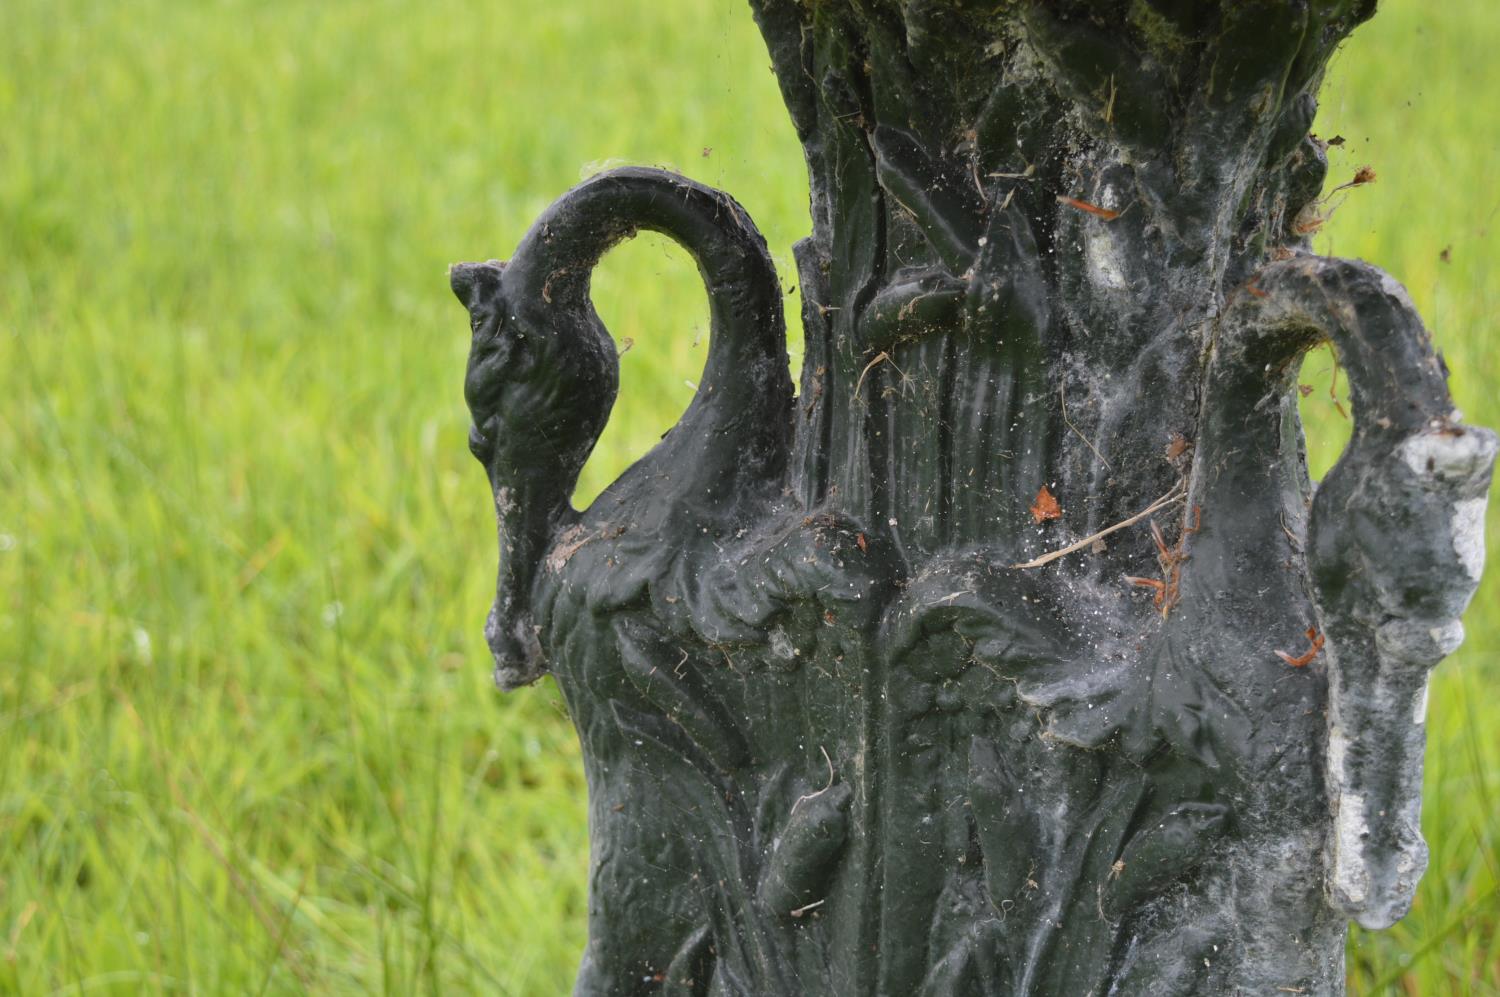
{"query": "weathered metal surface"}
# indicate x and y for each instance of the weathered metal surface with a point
(849, 727)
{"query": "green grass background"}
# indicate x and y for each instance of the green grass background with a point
(248, 741)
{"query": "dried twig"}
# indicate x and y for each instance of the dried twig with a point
(812, 906)
(814, 796)
(1062, 390)
(1177, 493)
(1025, 174)
(881, 357)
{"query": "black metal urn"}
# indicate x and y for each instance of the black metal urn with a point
(1015, 652)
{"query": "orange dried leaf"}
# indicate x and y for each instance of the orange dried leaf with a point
(1045, 507)
(1315, 642)
(1362, 176)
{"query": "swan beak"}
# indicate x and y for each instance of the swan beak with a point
(467, 278)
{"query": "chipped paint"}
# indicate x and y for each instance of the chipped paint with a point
(1447, 637)
(1392, 287)
(1104, 259)
(1350, 876)
(1449, 455)
(1468, 534)
(571, 541)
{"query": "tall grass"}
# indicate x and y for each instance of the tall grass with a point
(249, 741)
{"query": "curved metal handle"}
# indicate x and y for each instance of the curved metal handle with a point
(543, 374)
(1395, 552)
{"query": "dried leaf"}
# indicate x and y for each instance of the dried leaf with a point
(1045, 507)
(1315, 643)
(1362, 176)
(1092, 209)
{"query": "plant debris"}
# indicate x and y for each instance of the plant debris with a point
(1177, 493)
(1092, 209)
(1362, 176)
(1315, 641)
(1045, 507)
(1063, 395)
(1167, 588)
